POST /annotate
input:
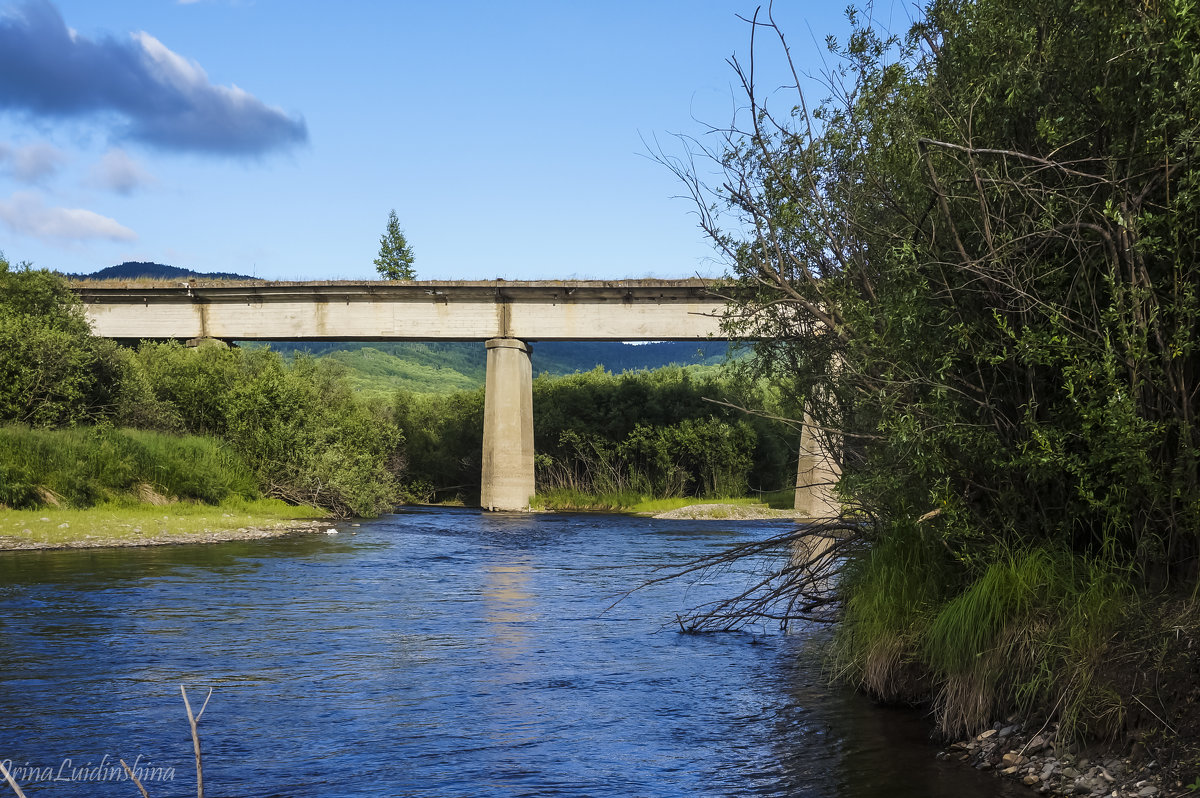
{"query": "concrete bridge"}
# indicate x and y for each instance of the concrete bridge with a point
(507, 316)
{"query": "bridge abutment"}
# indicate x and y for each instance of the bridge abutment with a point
(507, 426)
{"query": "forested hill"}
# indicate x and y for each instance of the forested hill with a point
(133, 270)
(451, 366)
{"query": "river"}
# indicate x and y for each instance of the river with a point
(439, 652)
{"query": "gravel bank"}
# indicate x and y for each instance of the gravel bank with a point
(726, 512)
(1032, 759)
(10, 543)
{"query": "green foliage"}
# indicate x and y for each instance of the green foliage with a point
(628, 437)
(444, 437)
(82, 467)
(979, 260)
(395, 261)
(654, 433)
(298, 425)
(1031, 634)
(52, 370)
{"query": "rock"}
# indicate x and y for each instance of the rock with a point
(64, 525)
(44, 519)
(1013, 758)
(987, 734)
(331, 531)
(1070, 773)
(1048, 770)
(1008, 771)
(1030, 780)
(1009, 731)
(1036, 744)
(1147, 791)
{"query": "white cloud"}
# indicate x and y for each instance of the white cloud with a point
(25, 213)
(117, 172)
(33, 162)
(137, 85)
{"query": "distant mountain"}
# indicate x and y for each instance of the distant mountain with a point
(440, 367)
(133, 270)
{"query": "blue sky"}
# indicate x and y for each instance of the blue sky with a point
(272, 137)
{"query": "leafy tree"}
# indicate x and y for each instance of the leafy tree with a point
(297, 425)
(980, 260)
(53, 371)
(395, 261)
(979, 264)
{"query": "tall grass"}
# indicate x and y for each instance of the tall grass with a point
(1027, 633)
(83, 467)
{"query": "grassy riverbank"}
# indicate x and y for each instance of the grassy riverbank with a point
(101, 486)
(128, 524)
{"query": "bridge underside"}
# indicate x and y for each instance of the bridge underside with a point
(507, 315)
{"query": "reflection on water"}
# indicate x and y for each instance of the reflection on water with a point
(435, 653)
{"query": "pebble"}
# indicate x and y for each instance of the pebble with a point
(1051, 769)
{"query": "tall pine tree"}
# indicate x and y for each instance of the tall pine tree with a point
(395, 261)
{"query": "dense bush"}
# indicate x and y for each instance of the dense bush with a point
(53, 371)
(643, 433)
(297, 425)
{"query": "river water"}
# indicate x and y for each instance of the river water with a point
(435, 652)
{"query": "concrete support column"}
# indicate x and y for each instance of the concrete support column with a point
(816, 472)
(507, 426)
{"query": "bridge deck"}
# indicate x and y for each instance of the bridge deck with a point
(567, 310)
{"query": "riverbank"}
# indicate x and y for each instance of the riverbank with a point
(1031, 757)
(153, 524)
(777, 504)
(1143, 701)
(723, 511)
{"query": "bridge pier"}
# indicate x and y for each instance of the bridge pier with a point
(507, 426)
(816, 472)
